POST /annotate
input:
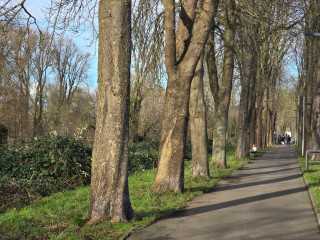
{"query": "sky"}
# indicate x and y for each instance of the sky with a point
(35, 7)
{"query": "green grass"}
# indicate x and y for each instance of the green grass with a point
(63, 215)
(312, 177)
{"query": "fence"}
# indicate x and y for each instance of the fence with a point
(307, 159)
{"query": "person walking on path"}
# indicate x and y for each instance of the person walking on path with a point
(288, 140)
(266, 199)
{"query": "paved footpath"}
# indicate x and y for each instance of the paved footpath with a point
(266, 199)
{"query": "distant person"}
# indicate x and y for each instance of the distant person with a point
(283, 139)
(288, 140)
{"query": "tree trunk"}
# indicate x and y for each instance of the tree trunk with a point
(253, 127)
(259, 127)
(198, 125)
(170, 172)
(135, 107)
(272, 109)
(222, 94)
(269, 116)
(316, 113)
(252, 102)
(242, 150)
(109, 181)
(308, 97)
(38, 108)
(265, 118)
(219, 144)
(260, 97)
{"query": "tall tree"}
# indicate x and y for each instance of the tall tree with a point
(316, 112)
(198, 125)
(247, 60)
(311, 53)
(41, 59)
(221, 90)
(70, 67)
(268, 25)
(19, 65)
(109, 182)
(182, 52)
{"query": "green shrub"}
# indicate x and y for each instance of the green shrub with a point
(188, 151)
(47, 165)
(231, 145)
(142, 156)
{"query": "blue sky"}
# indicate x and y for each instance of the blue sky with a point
(35, 7)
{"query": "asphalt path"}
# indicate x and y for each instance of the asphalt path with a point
(266, 199)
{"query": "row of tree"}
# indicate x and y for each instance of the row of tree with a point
(239, 49)
(308, 88)
(255, 34)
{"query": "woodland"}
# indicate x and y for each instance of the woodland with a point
(177, 82)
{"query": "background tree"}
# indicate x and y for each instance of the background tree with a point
(247, 57)
(41, 65)
(24, 46)
(221, 89)
(272, 31)
(183, 50)
(28, 82)
(70, 67)
(17, 80)
(147, 58)
(198, 124)
(310, 58)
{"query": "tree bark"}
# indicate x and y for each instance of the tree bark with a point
(109, 195)
(309, 96)
(264, 68)
(265, 118)
(272, 111)
(38, 107)
(198, 125)
(316, 113)
(242, 150)
(181, 57)
(222, 93)
(42, 62)
(253, 127)
(252, 101)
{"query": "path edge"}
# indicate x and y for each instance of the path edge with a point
(313, 203)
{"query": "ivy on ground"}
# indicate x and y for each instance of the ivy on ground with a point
(42, 167)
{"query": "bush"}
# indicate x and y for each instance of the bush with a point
(47, 165)
(188, 151)
(232, 144)
(55, 163)
(142, 156)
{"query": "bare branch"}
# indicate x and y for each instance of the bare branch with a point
(11, 13)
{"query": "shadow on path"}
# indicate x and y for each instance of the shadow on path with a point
(264, 200)
(227, 204)
(267, 172)
(270, 166)
(287, 178)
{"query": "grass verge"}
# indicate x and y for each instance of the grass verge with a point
(63, 215)
(312, 177)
